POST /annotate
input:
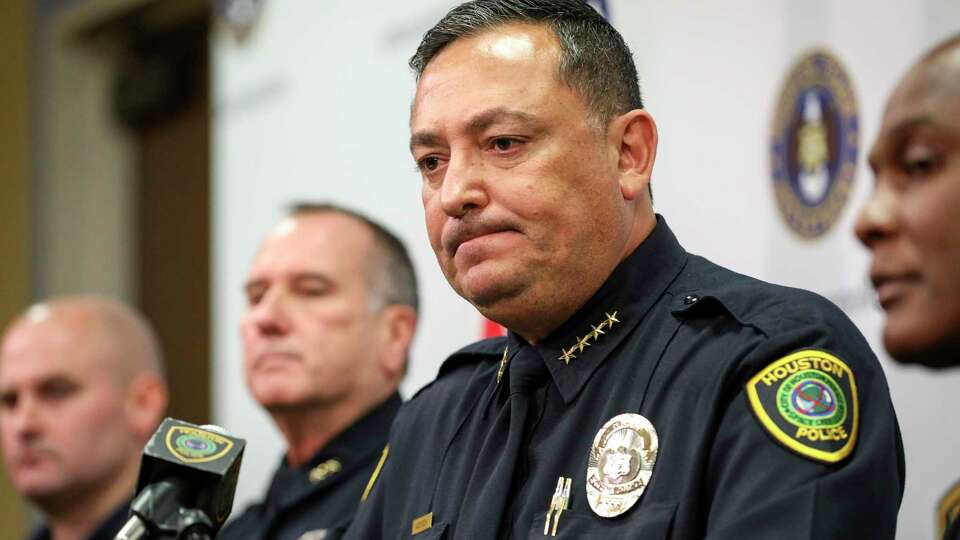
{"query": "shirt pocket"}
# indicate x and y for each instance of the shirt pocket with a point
(651, 522)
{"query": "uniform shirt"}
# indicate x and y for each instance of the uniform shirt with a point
(690, 337)
(318, 500)
(953, 531)
(107, 530)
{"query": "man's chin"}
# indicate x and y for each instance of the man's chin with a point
(939, 355)
(486, 292)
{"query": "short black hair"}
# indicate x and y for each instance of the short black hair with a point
(391, 279)
(594, 59)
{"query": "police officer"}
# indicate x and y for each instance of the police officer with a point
(912, 226)
(81, 391)
(332, 309)
(642, 391)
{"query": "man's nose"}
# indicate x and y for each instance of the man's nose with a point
(878, 218)
(464, 185)
(270, 314)
(25, 419)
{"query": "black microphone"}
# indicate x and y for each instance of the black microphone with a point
(188, 475)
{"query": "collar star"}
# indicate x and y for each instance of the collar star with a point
(597, 330)
(583, 343)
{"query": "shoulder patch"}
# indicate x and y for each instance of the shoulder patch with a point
(807, 401)
(948, 510)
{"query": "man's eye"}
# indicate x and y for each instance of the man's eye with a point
(920, 166)
(505, 144)
(429, 163)
(8, 401)
(58, 390)
(313, 291)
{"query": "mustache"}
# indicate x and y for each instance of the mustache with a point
(457, 231)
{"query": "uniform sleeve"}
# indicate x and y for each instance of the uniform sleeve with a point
(764, 488)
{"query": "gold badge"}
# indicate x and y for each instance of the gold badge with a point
(621, 462)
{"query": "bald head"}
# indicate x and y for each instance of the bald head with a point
(81, 391)
(910, 222)
(120, 338)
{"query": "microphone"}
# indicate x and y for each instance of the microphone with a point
(188, 475)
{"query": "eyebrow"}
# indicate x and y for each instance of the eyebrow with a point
(298, 276)
(477, 124)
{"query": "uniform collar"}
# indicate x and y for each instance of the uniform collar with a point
(350, 449)
(107, 529)
(578, 346)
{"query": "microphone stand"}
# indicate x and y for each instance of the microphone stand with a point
(157, 514)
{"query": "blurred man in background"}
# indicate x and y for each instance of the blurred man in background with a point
(911, 223)
(332, 309)
(81, 392)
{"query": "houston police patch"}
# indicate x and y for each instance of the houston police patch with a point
(813, 153)
(948, 510)
(808, 401)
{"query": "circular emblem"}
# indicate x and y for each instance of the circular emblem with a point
(812, 399)
(815, 144)
(620, 464)
(194, 447)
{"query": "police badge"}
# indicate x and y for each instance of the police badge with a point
(621, 462)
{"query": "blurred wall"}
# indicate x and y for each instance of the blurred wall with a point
(15, 200)
(314, 103)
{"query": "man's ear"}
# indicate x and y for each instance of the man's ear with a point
(398, 325)
(635, 134)
(147, 400)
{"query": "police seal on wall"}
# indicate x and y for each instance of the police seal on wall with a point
(813, 153)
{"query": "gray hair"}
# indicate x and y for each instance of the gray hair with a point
(392, 279)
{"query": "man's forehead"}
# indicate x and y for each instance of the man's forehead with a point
(42, 350)
(489, 52)
(310, 242)
(511, 42)
(928, 95)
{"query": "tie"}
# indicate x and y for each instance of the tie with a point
(488, 494)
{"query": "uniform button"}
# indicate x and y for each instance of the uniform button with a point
(690, 299)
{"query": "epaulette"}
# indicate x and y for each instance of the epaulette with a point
(751, 302)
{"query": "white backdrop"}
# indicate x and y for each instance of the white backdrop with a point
(314, 105)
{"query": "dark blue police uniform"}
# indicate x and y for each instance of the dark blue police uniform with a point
(317, 501)
(107, 530)
(773, 420)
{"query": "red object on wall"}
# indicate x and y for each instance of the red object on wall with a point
(492, 329)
